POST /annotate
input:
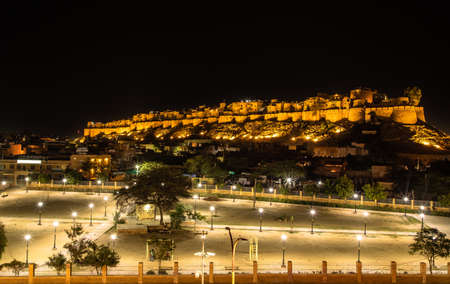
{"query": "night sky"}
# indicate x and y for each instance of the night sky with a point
(63, 64)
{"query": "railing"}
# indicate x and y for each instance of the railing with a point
(249, 274)
(84, 186)
(321, 198)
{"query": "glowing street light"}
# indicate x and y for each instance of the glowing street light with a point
(233, 187)
(105, 198)
(366, 214)
(39, 205)
(113, 239)
(212, 209)
(283, 239)
(312, 212)
(359, 238)
(355, 196)
(64, 185)
(55, 225)
(260, 211)
(4, 183)
(74, 216)
(196, 197)
(203, 254)
(422, 216)
(406, 203)
(91, 206)
(27, 238)
(271, 191)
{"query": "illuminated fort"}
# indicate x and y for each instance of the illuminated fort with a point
(274, 119)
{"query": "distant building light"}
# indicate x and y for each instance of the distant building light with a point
(29, 162)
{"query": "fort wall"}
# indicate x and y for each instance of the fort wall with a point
(357, 109)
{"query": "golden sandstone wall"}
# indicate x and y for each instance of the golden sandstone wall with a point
(335, 108)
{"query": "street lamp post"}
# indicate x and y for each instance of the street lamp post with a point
(113, 240)
(212, 209)
(26, 184)
(366, 214)
(260, 211)
(64, 185)
(359, 238)
(74, 216)
(27, 240)
(271, 191)
(283, 239)
(233, 187)
(312, 212)
(99, 182)
(137, 170)
(195, 211)
(105, 198)
(233, 252)
(203, 254)
(91, 206)
(40, 204)
(55, 224)
(422, 216)
(355, 196)
(406, 205)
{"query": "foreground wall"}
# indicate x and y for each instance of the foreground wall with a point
(358, 277)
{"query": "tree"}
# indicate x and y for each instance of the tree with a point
(328, 187)
(15, 266)
(284, 190)
(161, 250)
(73, 176)
(44, 178)
(3, 239)
(161, 187)
(58, 262)
(374, 191)
(344, 187)
(206, 165)
(311, 188)
(430, 243)
(444, 200)
(77, 248)
(177, 216)
(98, 256)
(150, 166)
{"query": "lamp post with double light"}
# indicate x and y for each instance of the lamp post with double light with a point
(195, 196)
(422, 216)
(212, 209)
(203, 254)
(55, 225)
(233, 252)
(40, 205)
(74, 216)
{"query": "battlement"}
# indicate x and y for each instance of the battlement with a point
(359, 106)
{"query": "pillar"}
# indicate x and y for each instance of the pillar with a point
(412, 204)
(329, 198)
(211, 273)
(140, 273)
(301, 194)
(324, 271)
(359, 271)
(255, 272)
(68, 272)
(289, 272)
(104, 273)
(431, 205)
(115, 185)
(314, 196)
(175, 272)
(274, 193)
(51, 183)
(423, 272)
(393, 202)
(362, 199)
(31, 270)
(393, 272)
(448, 268)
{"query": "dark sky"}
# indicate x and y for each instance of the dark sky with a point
(64, 64)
